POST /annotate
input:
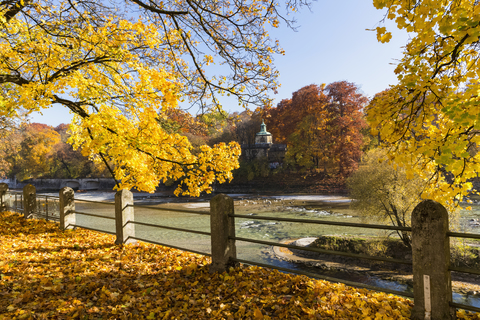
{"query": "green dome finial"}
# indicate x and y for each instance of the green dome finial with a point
(263, 129)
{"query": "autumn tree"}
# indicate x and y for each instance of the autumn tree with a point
(322, 126)
(277, 121)
(283, 120)
(69, 163)
(120, 73)
(345, 122)
(178, 121)
(181, 121)
(381, 190)
(253, 168)
(10, 138)
(308, 145)
(35, 151)
(430, 119)
(299, 122)
(246, 126)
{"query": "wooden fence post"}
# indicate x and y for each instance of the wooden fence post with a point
(3, 196)
(67, 208)
(124, 213)
(29, 201)
(432, 287)
(222, 227)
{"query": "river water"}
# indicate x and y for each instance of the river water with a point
(321, 207)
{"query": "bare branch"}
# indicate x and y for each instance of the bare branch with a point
(157, 10)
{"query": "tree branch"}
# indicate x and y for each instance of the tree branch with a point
(15, 7)
(5, 78)
(157, 10)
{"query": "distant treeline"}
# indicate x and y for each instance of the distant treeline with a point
(322, 125)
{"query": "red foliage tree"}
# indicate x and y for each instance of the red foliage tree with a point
(283, 120)
(321, 125)
(345, 110)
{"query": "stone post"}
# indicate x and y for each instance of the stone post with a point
(222, 227)
(124, 213)
(29, 201)
(3, 196)
(432, 287)
(67, 208)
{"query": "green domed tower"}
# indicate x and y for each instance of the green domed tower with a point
(263, 137)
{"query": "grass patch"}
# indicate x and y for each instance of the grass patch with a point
(382, 247)
(463, 253)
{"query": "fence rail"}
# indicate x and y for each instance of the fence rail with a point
(430, 241)
(98, 202)
(462, 306)
(45, 206)
(170, 228)
(463, 235)
(170, 209)
(331, 223)
(94, 215)
(170, 246)
(90, 228)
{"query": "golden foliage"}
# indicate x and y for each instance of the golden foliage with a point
(33, 156)
(122, 67)
(144, 154)
(382, 190)
(46, 274)
(431, 118)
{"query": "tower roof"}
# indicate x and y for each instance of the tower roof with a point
(263, 130)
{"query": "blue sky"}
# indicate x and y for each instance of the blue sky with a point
(331, 44)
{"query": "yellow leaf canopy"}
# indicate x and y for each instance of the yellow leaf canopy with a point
(121, 68)
(431, 118)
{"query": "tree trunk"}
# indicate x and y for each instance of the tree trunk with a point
(404, 236)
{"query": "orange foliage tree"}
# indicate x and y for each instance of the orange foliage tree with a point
(322, 126)
(346, 122)
(9, 144)
(283, 120)
(34, 151)
(69, 163)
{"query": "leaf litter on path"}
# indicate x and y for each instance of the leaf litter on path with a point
(49, 274)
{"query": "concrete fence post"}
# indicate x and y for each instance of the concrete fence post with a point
(3, 196)
(124, 213)
(29, 201)
(67, 208)
(222, 227)
(432, 287)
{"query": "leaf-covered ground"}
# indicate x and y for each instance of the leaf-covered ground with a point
(49, 274)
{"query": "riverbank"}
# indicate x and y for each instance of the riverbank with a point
(461, 283)
(286, 182)
(280, 182)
